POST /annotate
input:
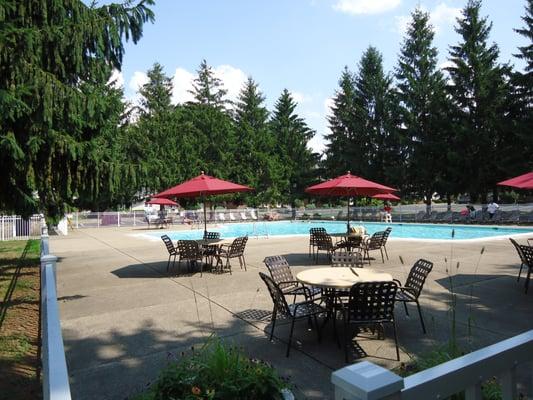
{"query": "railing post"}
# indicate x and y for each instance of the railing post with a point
(118, 218)
(134, 217)
(98, 219)
(14, 226)
(366, 381)
(77, 219)
(3, 228)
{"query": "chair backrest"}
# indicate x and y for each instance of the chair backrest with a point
(211, 235)
(417, 276)
(323, 240)
(189, 249)
(280, 304)
(527, 251)
(313, 233)
(354, 241)
(237, 246)
(386, 235)
(280, 270)
(372, 301)
(346, 259)
(376, 240)
(168, 243)
(519, 250)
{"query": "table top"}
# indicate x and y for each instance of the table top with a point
(343, 235)
(208, 242)
(340, 277)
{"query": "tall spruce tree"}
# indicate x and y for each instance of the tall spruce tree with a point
(478, 89)
(374, 124)
(421, 93)
(253, 161)
(341, 121)
(292, 135)
(51, 112)
(207, 88)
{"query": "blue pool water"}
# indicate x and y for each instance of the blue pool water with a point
(288, 228)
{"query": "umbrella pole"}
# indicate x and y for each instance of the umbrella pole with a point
(348, 217)
(205, 218)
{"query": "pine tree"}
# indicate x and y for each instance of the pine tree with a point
(292, 135)
(421, 92)
(207, 88)
(156, 94)
(51, 96)
(478, 91)
(341, 123)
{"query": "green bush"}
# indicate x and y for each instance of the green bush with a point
(217, 371)
(310, 206)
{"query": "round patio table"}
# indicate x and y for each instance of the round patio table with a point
(340, 277)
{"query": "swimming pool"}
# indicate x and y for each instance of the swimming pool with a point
(289, 228)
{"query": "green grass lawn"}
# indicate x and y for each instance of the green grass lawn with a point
(19, 319)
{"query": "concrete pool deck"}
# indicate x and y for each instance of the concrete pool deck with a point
(123, 317)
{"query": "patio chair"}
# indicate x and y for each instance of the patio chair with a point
(190, 251)
(375, 243)
(527, 254)
(172, 251)
(210, 251)
(281, 274)
(346, 259)
(410, 292)
(312, 239)
(253, 215)
(234, 250)
(243, 216)
(370, 303)
(324, 242)
(221, 217)
(232, 217)
(302, 310)
(351, 242)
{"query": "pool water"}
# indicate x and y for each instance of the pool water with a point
(289, 228)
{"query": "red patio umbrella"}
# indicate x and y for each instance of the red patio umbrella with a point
(349, 186)
(386, 196)
(162, 202)
(202, 186)
(520, 182)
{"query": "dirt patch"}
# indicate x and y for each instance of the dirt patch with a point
(19, 320)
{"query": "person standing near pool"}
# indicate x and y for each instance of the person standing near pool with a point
(492, 208)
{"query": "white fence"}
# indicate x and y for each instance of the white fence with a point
(54, 365)
(367, 381)
(440, 213)
(14, 227)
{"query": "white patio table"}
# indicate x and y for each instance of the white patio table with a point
(340, 277)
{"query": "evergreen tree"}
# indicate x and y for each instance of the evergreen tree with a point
(421, 92)
(157, 92)
(341, 125)
(51, 96)
(478, 90)
(292, 136)
(207, 88)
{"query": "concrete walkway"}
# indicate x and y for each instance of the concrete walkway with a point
(124, 317)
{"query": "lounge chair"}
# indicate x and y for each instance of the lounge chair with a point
(221, 217)
(243, 216)
(232, 217)
(253, 215)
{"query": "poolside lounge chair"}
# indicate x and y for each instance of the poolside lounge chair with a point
(243, 216)
(221, 217)
(232, 217)
(253, 215)
(410, 292)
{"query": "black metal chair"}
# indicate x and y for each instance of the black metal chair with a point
(375, 243)
(523, 259)
(324, 242)
(234, 250)
(190, 251)
(527, 251)
(313, 240)
(281, 274)
(410, 292)
(305, 309)
(210, 251)
(172, 251)
(346, 259)
(370, 303)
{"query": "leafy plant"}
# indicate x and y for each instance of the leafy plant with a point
(216, 371)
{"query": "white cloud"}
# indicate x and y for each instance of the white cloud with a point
(138, 80)
(182, 83)
(359, 7)
(300, 97)
(117, 79)
(232, 78)
(328, 105)
(441, 17)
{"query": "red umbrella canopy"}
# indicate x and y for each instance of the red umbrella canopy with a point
(521, 182)
(386, 196)
(203, 185)
(162, 202)
(349, 185)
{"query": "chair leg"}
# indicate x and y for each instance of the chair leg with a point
(520, 273)
(244, 262)
(382, 258)
(346, 340)
(386, 253)
(274, 313)
(335, 329)
(396, 340)
(290, 338)
(405, 306)
(421, 318)
(528, 277)
(168, 262)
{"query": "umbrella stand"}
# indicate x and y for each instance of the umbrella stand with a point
(205, 217)
(348, 217)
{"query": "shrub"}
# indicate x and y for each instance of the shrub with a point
(217, 371)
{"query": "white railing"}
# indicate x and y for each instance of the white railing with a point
(54, 365)
(367, 381)
(14, 227)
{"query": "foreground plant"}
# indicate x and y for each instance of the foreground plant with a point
(216, 371)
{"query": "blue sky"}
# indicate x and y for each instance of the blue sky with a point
(301, 45)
